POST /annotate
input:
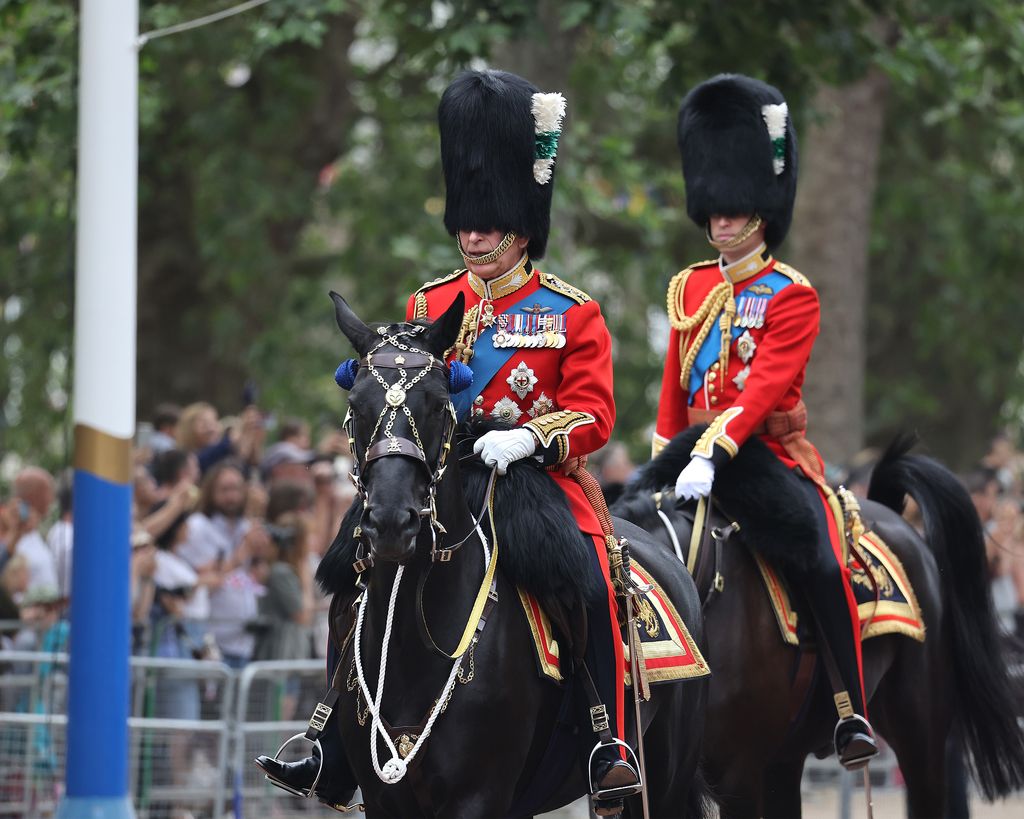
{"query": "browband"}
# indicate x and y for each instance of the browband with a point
(408, 360)
(394, 446)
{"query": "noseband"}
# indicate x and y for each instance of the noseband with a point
(386, 444)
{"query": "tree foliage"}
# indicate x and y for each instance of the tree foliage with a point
(293, 149)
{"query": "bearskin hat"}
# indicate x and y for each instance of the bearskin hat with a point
(499, 137)
(739, 153)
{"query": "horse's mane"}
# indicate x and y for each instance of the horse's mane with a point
(541, 549)
(755, 489)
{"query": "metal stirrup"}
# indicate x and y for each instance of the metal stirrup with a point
(316, 780)
(620, 792)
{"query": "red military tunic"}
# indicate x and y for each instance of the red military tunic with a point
(562, 391)
(563, 394)
(753, 382)
(746, 380)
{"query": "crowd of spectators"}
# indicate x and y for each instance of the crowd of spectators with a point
(997, 488)
(228, 529)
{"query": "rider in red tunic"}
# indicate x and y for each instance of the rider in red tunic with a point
(538, 347)
(743, 326)
(539, 350)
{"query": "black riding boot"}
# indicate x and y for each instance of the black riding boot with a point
(612, 777)
(825, 591)
(336, 784)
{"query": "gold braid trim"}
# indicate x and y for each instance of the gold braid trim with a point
(420, 306)
(716, 434)
(718, 302)
(552, 282)
(557, 426)
(466, 338)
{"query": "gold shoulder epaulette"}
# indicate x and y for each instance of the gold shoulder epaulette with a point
(675, 289)
(441, 280)
(793, 274)
(552, 282)
(420, 308)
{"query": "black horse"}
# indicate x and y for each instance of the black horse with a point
(955, 684)
(489, 745)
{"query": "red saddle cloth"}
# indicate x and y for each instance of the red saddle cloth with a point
(669, 651)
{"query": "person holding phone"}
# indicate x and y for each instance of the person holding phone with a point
(33, 496)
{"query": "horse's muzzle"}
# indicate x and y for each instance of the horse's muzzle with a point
(391, 532)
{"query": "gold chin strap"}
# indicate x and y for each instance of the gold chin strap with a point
(748, 230)
(494, 255)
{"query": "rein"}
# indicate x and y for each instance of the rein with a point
(488, 589)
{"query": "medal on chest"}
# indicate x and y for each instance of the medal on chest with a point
(530, 330)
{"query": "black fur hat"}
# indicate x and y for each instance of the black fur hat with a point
(493, 157)
(731, 163)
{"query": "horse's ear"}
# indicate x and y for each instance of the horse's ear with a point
(444, 332)
(351, 325)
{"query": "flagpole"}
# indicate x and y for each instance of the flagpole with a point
(96, 770)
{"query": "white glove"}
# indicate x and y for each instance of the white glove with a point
(502, 447)
(696, 479)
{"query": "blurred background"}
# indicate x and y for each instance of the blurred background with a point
(293, 149)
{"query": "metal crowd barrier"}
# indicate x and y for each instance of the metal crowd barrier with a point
(275, 699)
(195, 727)
(179, 735)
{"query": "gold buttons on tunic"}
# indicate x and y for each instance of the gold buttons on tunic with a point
(714, 399)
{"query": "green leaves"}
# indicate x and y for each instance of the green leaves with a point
(293, 149)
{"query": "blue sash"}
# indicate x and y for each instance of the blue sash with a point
(488, 360)
(712, 346)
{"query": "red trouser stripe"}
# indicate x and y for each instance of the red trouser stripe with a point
(851, 602)
(620, 682)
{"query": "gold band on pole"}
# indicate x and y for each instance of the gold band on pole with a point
(103, 455)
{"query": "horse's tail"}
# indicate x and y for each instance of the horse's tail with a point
(984, 705)
(700, 801)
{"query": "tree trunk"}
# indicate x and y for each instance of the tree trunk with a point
(178, 359)
(830, 238)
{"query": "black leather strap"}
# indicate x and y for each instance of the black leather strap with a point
(409, 360)
(394, 446)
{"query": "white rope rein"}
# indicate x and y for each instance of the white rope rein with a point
(395, 768)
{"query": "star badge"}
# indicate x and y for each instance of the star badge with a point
(745, 347)
(522, 380)
(542, 406)
(741, 378)
(505, 409)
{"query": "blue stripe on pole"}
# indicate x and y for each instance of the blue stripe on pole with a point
(97, 742)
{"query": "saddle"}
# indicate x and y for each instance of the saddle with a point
(886, 603)
(760, 499)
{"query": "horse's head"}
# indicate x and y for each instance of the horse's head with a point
(400, 422)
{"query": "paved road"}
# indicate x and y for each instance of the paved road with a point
(823, 803)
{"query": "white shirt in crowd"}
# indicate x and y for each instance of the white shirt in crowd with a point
(42, 571)
(232, 606)
(60, 539)
(212, 538)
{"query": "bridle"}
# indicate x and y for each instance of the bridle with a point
(412, 365)
(384, 443)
